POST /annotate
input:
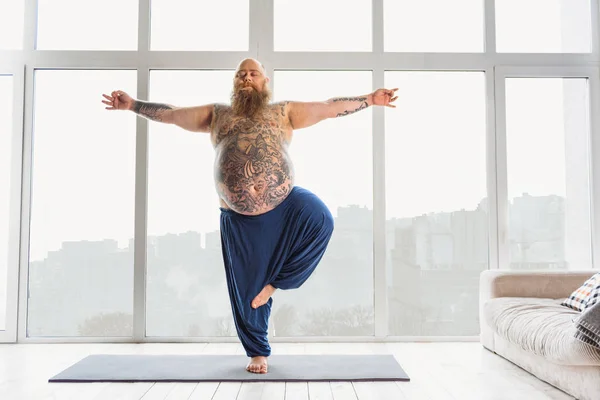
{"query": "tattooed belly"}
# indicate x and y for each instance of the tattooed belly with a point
(252, 179)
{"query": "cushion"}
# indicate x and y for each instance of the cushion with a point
(586, 293)
(588, 326)
(594, 297)
(540, 326)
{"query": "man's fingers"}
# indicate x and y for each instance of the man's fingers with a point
(107, 102)
(394, 98)
(107, 96)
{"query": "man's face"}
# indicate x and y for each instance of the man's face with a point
(250, 91)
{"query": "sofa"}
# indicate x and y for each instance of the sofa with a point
(522, 320)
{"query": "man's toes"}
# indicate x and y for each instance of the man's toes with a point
(254, 369)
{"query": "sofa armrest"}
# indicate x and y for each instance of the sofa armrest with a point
(539, 284)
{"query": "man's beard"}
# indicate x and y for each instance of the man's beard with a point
(249, 103)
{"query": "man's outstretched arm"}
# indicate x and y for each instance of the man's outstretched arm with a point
(305, 114)
(195, 119)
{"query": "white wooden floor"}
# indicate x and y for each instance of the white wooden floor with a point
(439, 371)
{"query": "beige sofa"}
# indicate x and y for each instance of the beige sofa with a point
(522, 320)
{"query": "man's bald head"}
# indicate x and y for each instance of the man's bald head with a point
(250, 64)
(250, 92)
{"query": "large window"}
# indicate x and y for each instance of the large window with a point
(437, 206)
(543, 26)
(548, 136)
(186, 287)
(81, 237)
(333, 159)
(486, 162)
(6, 134)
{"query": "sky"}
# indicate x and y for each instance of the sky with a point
(83, 173)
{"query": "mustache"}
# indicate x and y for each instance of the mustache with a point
(244, 85)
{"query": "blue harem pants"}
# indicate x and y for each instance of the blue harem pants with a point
(281, 247)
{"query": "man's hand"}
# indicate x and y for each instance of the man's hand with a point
(118, 100)
(384, 97)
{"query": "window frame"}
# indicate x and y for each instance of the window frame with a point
(505, 72)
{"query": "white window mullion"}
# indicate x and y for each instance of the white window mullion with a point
(380, 279)
(490, 26)
(491, 134)
(26, 204)
(30, 28)
(494, 202)
(141, 179)
(501, 189)
(261, 23)
(259, 27)
(595, 163)
(595, 11)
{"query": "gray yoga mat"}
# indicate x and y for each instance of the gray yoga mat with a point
(182, 368)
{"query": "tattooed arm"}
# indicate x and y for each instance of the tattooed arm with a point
(195, 119)
(303, 115)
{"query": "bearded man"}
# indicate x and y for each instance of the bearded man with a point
(273, 233)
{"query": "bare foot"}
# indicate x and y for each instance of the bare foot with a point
(263, 296)
(257, 365)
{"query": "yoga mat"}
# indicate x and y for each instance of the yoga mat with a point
(222, 368)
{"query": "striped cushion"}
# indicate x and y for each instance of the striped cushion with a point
(586, 293)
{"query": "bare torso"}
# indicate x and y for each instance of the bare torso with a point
(253, 171)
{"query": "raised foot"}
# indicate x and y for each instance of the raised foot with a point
(257, 365)
(263, 296)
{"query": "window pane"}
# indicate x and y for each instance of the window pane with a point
(11, 25)
(543, 26)
(6, 132)
(82, 214)
(436, 202)
(433, 25)
(87, 25)
(316, 25)
(201, 25)
(547, 133)
(187, 291)
(333, 159)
